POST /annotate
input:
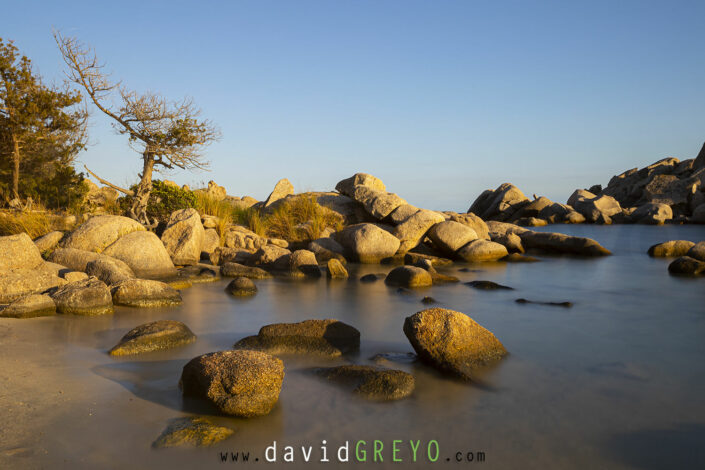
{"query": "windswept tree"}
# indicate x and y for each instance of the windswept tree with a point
(166, 133)
(39, 125)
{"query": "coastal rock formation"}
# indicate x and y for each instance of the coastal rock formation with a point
(144, 253)
(145, 293)
(101, 231)
(697, 251)
(239, 383)
(482, 250)
(595, 209)
(30, 306)
(241, 287)
(19, 252)
(549, 241)
(48, 242)
(282, 189)
(240, 270)
(184, 237)
(472, 221)
(211, 241)
(408, 276)
(192, 432)
(269, 257)
(368, 243)
(671, 249)
(652, 213)
(303, 263)
(687, 266)
(336, 270)
(411, 231)
(500, 204)
(487, 285)
(87, 297)
(450, 236)
(330, 338)
(452, 342)
(109, 270)
(347, 186)
(153, 336)
(371, 383)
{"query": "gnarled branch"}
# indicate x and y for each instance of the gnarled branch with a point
(108, 183)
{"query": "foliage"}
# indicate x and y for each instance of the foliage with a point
(42, 129)
(163, 200)
(57, 187)
(33, 223)
(298, 218)
(222, 210)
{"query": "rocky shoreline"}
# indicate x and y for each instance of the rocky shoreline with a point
(110, 260)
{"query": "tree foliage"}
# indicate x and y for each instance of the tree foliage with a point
(42, 129)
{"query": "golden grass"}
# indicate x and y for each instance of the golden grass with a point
(222, 210)
(33, 223)
(296, 219)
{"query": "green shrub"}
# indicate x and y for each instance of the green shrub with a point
(163, 200)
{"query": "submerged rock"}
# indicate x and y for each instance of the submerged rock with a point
(239, 383)
(686, 266)
(88, 297)
(336, 270)
(452, 342)
(428, 300)
(554, 304)
(240, 270)
(517, 258)
(671, 249)
(330, 338)
(192, 432)
(241, 287)
(408, 276)
(371, 277)
(487, 285)
(30, 306)
(145, 293)
(153, 336)
(371, 383)
(697, 251)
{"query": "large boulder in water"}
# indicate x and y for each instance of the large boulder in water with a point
(184, 236)
(145, 293)
(30, 306)
(686, 266)
(450, 236)
(368, 243)
(671, 249)
(240, 383)
(408, 276)
(101, 231)
(412, 231)
(153, 336)
(549, 241)
(240, 270)
(697, 251)
(88, 297)
(482, 250)
(144, 253)
(652, 213)
(371, 383)
(599, 209)
(452, 342)
(330, 338)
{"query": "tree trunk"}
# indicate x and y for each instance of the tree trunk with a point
(138, 211)
(15, 167)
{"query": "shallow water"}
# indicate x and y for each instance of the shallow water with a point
(616, 381)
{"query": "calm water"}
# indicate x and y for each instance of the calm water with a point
(617, 381)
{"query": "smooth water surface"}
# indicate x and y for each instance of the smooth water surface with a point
(616, 381)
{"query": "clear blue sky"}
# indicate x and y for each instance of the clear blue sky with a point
(440, 99)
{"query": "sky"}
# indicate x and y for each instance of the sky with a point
(439, 99)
